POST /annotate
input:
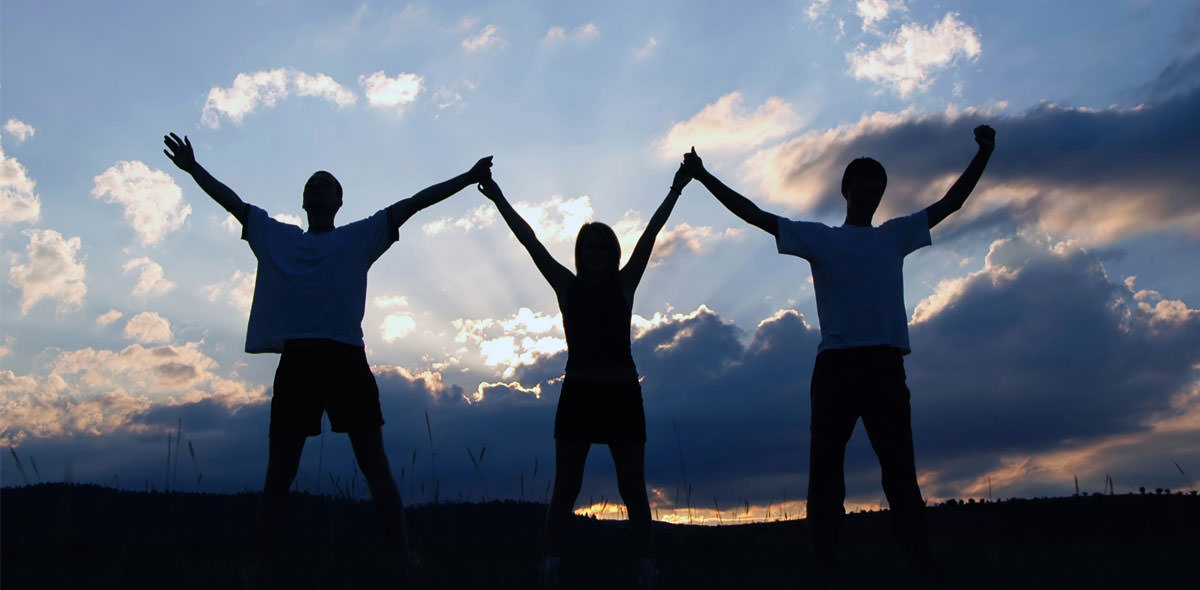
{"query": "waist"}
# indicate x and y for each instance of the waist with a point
(315, 344)
(602, 374)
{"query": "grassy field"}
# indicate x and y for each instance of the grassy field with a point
(81, 536)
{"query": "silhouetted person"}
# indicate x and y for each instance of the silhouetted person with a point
(601, 399)
(859, 370)
(309, 297)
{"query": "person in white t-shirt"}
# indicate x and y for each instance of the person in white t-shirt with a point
(859, 370)
(309, 297)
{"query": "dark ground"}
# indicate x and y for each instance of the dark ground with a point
(81, 536)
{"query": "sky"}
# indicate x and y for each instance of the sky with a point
(1055, 321)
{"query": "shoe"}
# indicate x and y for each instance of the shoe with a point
(548, 573)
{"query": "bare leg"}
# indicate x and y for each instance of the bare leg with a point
(630, 460)
(283, 460)
(569, 459)
(372, 460)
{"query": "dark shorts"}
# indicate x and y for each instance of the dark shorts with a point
(604, 412)
(316, 376)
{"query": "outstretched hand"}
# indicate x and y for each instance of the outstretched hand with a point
(986, 137)
(490, 189)
(181, 152)
(682, 176)
(692, 163)
(482, 170)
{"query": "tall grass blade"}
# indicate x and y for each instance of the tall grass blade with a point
(20, 467)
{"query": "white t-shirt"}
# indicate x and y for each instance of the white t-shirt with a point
(857, 276)
(311, 285)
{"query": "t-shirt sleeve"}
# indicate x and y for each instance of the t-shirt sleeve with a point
(909, 233)
(376, 234)
(798, 238)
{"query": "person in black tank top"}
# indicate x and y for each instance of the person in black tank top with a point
(601, 399)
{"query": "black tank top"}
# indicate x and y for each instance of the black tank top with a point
(596, 319)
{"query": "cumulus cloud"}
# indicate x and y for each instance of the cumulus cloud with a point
(488, 37)
(873, 11)
(266, 88)
(52, 270)
(396, 92)
(151, 279)
(287, 218)
(680, 237)
(237, 290)
(153, 203)
(396, 324)
(584, 32)
(108, 317)
(103, 392)
(18, 202)
(816, 9)
(148, 327)
(727, 125)
(556, 219)
(910, 59)
(20, 130)
(509, 343)
(6, 346)
(1067, 170)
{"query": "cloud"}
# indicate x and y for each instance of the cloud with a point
(396, 326)
(266, 88)
(726, 125)
(816, 9)
(6, 346)
(556, 219)
(479, 217)
(153, 203)
(53, 270)
(680, 237)
(1066, 170)
(148, 327)
(910, 59)
(873, 11)
(397, 92)
(18, 202)
(237, 290)
(19, 129)
(91, 392)
(582, 33)
(151, 279)
(287, 218)
(488, 37)
(509, 343)
(647, 50)
(108, 317)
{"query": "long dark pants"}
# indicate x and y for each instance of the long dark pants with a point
(847, 384)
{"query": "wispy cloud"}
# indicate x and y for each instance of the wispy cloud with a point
(581, 33)
(487, 38)
(647, 50)
(108, 317)
(237, 290)
(153, 203)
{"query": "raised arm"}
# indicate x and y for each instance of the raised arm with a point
(739, 205)
(631, 273)
(401, 210)
(184, 157)
(556, 274)
(961, 189)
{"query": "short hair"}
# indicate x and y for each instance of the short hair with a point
(608, 236)
(320, 173)
(863, 168)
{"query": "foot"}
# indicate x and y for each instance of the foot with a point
(647, 574)
(548, 573)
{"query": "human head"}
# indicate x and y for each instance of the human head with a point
(322, 194)
(863, 184)
(597, 249)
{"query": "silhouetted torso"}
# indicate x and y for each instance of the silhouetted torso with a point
(596, 320)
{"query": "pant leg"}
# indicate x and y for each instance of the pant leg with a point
(887, 418)
(833, 418)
